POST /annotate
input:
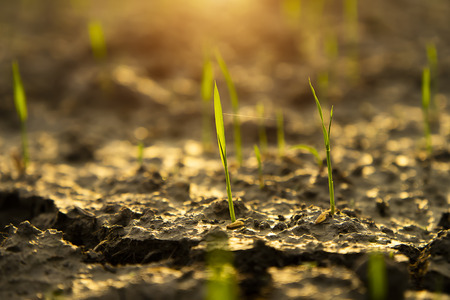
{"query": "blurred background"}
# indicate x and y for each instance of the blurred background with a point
(150, 69)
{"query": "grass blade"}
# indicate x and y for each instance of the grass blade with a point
(220, 129)
(20, 101)
(311, 150)
(258, 158)
(97, 39)
(326, 137)
(234, 105)
(426, 96)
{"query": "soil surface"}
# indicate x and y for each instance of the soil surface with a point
(86, 221)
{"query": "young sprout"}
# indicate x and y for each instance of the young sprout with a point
(376, 274)
(261, 128)
(20, 102)
(426, 107)
(234, 105)
(311, 150)
(141, 134)
(280, 133)
(207, 90)
(260, 172)
(326, 137)
(433, 64)
(97, 39)
(220, 128)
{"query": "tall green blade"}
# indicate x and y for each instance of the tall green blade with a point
(220, 128)
(97, 39)
(234, 105)
(319, 108)
(207, 80)
(311, 150)
(20, 100)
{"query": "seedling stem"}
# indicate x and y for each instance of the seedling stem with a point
(326, 137)
(20, 102)
(220, 128)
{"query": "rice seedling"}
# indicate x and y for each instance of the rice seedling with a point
(280, 133)
(234, 105)
(20, 102)
(432, 59)
(326, 137)
(426, 107)
(97, 39)
(220, 128)
(311, 150)
(262, 129)
(377, 276)
(141, 134)
(260, 172)
(207, 91)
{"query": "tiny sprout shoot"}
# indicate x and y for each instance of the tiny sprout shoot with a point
(261, 128)
(141, 134)
(280, 133)
(426, 107)
(234, 105)
(260, 172)
(220, 128)
(207, 90)
(97, 39)
(311, 150)
(432, 59)
(20, 102)
(376, 274)
(326, 137)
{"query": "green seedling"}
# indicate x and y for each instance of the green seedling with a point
(20, 102)
(207, 91)
(220, 128)
(262, 129)
(260, 172)
(377, 276)
(141, 134)
(326, 137)
(234, 105)
(280, 133)
(432, 59)
(311, 150)
(97, 39)
(426, 107)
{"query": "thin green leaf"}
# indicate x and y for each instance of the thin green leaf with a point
(229, 81)
(97, 39)
(20, 100)
(207, 80)
(319, 108)
(426, 88)
(220, 128)
(311, 150)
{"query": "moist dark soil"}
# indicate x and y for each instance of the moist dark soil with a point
(86, 221)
